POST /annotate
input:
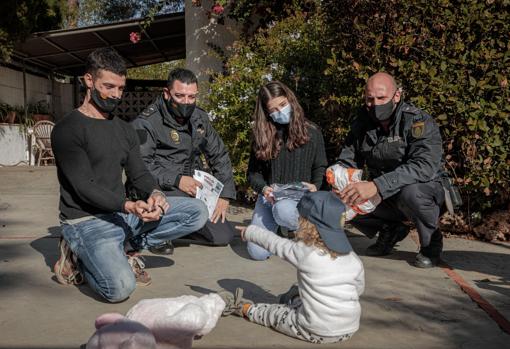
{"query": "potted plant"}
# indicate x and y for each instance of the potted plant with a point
(7, 113)
(39, 111)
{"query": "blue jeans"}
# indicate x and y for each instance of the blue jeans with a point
(99, 243)
(265, 215)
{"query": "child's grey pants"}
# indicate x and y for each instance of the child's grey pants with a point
(283, 318)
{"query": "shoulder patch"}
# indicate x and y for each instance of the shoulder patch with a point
(411, 109)
(151, 109)
(418, 129)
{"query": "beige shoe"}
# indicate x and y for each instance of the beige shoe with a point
(66, 268)
(136, 262)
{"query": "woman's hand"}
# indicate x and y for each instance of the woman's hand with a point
(311, 187)
(268, 194)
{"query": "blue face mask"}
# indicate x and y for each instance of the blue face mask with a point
(282, 116)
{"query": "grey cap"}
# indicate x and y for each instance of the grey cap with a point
(325, 210)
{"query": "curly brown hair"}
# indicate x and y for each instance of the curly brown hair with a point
(308, 233)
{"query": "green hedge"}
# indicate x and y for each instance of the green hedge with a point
(451, 57)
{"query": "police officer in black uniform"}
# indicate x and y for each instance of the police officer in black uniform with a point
(401, 147)
(176, 137)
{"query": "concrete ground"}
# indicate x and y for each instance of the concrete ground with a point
(403, 307)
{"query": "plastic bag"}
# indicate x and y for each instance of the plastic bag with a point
(339, 177)
(159, 322)
(170, 318)
(292, 191)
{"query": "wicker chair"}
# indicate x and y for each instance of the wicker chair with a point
(42, 134)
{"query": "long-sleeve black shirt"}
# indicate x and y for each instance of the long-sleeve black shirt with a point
(307, 163)
(91, 155)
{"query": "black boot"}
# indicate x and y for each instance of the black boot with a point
(389, 235)
(430, 256)
(165, 248)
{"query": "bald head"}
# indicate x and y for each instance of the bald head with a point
(382, 78)
(380, 89)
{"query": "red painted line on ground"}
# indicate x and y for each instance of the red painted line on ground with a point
(476, 297)
(502, 322)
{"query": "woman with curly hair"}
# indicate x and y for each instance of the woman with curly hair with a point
(287, 148)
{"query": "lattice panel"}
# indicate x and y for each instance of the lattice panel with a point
(133, 103)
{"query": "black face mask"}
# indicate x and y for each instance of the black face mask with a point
(180, 110)
(105, 105)
(382, 112)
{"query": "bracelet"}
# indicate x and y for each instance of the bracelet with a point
(158, 192)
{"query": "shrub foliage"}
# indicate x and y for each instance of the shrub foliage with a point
(452, 59)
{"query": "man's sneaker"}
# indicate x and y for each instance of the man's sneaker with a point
(142, 277)
(234, 302)
(290, 296)
(430, 256)
(388, 237)
(66, 268)
(165, 248)
(426, 262)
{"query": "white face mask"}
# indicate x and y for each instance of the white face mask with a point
(282, 116)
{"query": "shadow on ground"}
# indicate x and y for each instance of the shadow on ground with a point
(494, 265)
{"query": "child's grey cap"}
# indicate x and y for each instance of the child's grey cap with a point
(325, 210)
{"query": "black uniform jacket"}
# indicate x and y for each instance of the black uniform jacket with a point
(171, 150)
(411, 152)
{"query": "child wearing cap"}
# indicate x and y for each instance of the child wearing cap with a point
(324, 307)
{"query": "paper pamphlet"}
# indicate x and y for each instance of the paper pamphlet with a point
(210, 191)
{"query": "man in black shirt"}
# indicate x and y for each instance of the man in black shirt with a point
(176, 138)
(99, 222)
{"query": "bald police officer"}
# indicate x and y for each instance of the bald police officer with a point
(401, 147)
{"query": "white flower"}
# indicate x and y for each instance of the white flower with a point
(268, 77)
(249, 55)
(274, 66)
(295, 36)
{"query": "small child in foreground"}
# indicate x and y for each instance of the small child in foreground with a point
(325, 307)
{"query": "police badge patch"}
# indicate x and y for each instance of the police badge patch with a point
(417, 129)
(174, 135)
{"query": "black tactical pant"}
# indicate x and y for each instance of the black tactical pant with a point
(420, 203)
(216, 234)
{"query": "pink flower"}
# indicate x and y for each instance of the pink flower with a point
(217, 9)
(134, 37)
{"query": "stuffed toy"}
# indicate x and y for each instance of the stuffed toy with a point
(162, 323)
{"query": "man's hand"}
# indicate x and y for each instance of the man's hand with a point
(157, 201)
(220, 210)
(356, 193)
(142, 210)
(268, 194)
(241, 231)
(189, 185)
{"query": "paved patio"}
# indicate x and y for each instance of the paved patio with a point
(403, 307)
